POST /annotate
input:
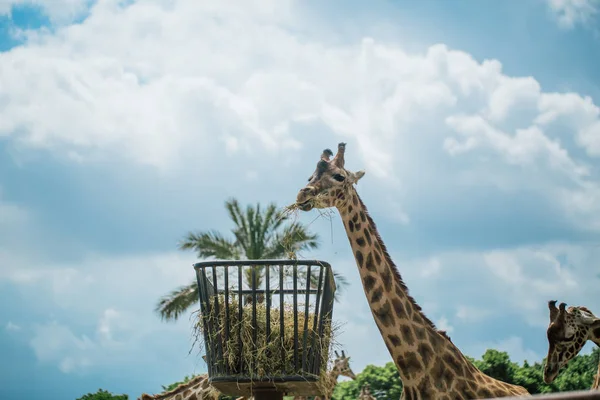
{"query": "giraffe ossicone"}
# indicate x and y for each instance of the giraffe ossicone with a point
(570, 328)
(430, 365)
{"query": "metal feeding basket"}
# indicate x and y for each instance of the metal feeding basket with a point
(266, 325)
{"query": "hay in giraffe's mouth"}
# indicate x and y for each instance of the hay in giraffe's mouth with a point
(305, 206)
(264, 358)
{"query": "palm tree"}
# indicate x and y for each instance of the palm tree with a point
(257, 234)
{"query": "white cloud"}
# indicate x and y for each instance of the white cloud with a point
(471, 313)
(124, 85)
(118, 296)
(444, 325)
(11, 326)
(569, 13)
(11, 214)
(56, 343)
(431, 267)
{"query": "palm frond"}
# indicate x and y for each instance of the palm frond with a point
(293, 238)
(210, 244)
(171, 306)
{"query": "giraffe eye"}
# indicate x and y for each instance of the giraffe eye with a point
(339, 177)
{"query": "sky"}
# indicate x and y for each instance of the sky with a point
(126, 124)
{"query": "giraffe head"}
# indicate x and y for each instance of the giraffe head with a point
(329, 184)
(341, 365)
(569, 330)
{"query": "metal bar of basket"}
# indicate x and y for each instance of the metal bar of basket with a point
(326, 305)
(227, 317)
(317, 304)
(204, 306)
(240, 317)
(217, 316)
(305, 350)
(207, 313)
(282, 321)
(254, 301)
(268, 300)
(295, 299)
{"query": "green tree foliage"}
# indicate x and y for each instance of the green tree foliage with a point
(103, 395)
(577, 375)
(257, 233)
(384, 381)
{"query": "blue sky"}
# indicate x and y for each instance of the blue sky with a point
(123, 125)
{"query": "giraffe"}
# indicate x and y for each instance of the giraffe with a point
(430, 365)
(568, 331)
(365, 393)
(341, 367)
(198, 388)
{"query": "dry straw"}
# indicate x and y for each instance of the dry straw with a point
(267, 359)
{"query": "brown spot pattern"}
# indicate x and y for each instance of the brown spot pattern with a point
(368, 236)
(359, 258)
(398, 308)
(425, 388)
(369, 283)
(377, 294)
(394, 339)
(452, 363)
(369, 263)
(426, 352)
(420, 332)
(386, 275)
(409, 363)
(384, 316)
(443, 376)
(377, 258)
(407, 334)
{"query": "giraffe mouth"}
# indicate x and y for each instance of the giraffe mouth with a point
(305, 205)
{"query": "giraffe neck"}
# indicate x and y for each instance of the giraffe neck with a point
(197, 388)
(410, 337)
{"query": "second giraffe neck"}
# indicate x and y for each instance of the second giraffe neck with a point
(411, 338)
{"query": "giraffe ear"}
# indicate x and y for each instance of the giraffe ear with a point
(355, 176)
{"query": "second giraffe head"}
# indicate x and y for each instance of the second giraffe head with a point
(341, 365)
(569, 330)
